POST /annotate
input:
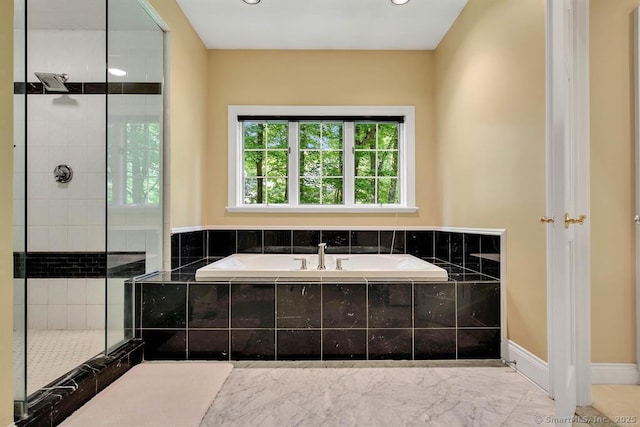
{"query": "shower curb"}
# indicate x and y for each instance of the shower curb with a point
(50, 405)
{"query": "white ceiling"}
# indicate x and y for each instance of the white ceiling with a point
(322, 24)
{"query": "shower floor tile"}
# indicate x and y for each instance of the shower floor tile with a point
(52, 353)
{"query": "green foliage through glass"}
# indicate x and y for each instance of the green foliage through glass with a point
(266, 162)
(321, 159)
(376, 162)
(321, 162)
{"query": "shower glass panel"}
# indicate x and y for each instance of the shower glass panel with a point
(19, 209)
(134, 158)
(87, 179)
(65, 218)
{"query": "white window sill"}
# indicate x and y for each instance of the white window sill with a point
(323, 209)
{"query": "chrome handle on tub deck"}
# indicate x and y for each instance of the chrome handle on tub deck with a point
(303, 265)
(339, 262)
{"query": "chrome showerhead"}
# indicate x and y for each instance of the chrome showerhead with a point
(53, 82)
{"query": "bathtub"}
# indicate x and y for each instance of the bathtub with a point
(370, 266)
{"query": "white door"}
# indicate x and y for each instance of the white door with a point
(568, 298)
(636, 16)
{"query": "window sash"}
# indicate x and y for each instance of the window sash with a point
(295, 176)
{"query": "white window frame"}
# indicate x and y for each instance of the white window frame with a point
(406, 145)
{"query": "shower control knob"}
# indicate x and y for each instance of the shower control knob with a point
(63, 174)
(637, 219)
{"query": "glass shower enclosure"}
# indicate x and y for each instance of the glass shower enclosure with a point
(88, 153)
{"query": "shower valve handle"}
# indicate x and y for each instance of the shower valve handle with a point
(63, 174)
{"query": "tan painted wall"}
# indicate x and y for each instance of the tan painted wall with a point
(6, 213)
(490, 115)
(319, 78)
(188, 115)
(612, 229)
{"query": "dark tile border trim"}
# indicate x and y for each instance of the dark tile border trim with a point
(59, 399)
(51, 265)
(48, 265)
(91, 88)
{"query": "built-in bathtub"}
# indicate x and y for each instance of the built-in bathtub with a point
(355, 265)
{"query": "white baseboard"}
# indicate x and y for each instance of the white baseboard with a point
(529, 365)
(615, 373)
(537, 370)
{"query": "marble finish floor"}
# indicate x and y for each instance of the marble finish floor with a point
(372, 396)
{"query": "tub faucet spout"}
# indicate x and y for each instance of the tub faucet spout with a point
(321, 265)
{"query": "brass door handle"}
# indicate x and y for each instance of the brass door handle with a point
(547, 220)
(568, 221)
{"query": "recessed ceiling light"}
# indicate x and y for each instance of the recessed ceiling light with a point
(251, 1)
(117, 72)
(399, 2)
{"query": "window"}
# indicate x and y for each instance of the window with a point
(376, 162)
(321, 159)
(266, 154)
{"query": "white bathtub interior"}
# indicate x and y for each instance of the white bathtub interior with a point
(355, 265)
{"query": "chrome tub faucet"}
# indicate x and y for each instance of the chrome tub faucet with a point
(321, 247)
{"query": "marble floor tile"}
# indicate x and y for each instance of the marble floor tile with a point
(404, 396)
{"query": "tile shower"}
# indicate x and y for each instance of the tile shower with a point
(76, 241)
(322, 319)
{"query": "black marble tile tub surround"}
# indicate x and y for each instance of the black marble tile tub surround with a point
(249, 241)
(209, 306)
(292, 320)
(390, 305)
(220, 242)
(192, 247)
(277, 241)
(344, 344)
(337, 241)
(299, 305)
(475, 253)
(52, 404)
(365, 242)
(392, 239)
(164, 306)
(352, 319)
(306, 241)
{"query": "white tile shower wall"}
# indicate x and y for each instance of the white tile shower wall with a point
(79, 53)
(139, 53)
(58, 214)
(18, 304)
(70, 129)
(19, 157)
(77, 304)
(115, 304)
